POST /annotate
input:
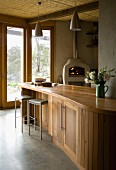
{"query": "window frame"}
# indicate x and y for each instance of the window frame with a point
(29, 52)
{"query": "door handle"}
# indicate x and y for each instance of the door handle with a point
(61, 117)
(63, 108)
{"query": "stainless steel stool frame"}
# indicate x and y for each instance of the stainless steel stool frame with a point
(35, 102)
(22, 98)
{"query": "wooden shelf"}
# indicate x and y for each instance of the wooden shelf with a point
(94, 41)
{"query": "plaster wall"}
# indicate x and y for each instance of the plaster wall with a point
(107, 40)
(64, 46)
(88, 54)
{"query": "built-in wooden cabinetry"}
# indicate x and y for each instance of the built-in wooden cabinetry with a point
(68, 130)
(57, 116)
(83, 126)
(81, 133)
(64, 125)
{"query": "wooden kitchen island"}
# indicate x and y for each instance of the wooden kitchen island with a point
(83, 126)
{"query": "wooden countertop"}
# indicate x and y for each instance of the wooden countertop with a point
(83, 96)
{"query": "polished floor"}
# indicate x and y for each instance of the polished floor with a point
(23, 152)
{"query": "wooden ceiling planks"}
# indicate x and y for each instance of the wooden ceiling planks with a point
(30, 10)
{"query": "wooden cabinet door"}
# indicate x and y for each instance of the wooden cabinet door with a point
(57, 131)
(70, 129)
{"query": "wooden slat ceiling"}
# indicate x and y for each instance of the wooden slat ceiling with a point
(29, 9)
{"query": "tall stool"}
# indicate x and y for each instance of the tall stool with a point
(21, 99)
(35, 102)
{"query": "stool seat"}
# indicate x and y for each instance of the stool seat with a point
(23, 97)
(38, 101)
(35, 102)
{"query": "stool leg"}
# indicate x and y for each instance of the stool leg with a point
(40, 121)
(27, 112)
(21, 117)
(29, 117)
(34, 118)
(15, 111)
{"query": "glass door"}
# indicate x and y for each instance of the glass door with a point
(15, 52)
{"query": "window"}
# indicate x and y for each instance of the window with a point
(41, 55)
(14, 61)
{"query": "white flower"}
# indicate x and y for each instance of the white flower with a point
(92, 75)
(86, 80)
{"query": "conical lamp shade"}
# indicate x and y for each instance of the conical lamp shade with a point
(38, 30)
(75, 22)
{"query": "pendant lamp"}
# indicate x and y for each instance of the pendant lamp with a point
(38, 28)
(75, 22)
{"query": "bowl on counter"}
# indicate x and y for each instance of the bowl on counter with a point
(46, 84)
(38, 79)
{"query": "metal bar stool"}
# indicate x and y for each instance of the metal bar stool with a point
(35, 102)
(21, 99)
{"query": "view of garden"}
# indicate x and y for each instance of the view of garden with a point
(40, 59)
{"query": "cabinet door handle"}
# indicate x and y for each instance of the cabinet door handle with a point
(64, 117)
(63, 108)
(61, 117)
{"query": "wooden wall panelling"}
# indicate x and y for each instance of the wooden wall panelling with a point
(54, 117)
(50, 115)
(112, 142)
(45, 112)
(70, 129)
(95, 141)
(78, 138)
(57, 131)
(106, 142)
(82, 162)
(86, 140)
(101, 142)
(90, 156)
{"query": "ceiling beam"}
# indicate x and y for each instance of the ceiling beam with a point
(12, 20)
(66, 12)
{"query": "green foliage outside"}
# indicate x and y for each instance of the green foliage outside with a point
(40, 63)
(14, 65)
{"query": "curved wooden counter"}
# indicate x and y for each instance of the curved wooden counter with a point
(84, 96)
(83, 126)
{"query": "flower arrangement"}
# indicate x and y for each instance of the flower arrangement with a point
(100, 78)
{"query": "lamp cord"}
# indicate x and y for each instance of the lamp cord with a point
(38, 3)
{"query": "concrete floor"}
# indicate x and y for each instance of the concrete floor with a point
(23, 152)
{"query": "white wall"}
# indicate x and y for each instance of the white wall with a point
(64, 45)
(107, 40)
